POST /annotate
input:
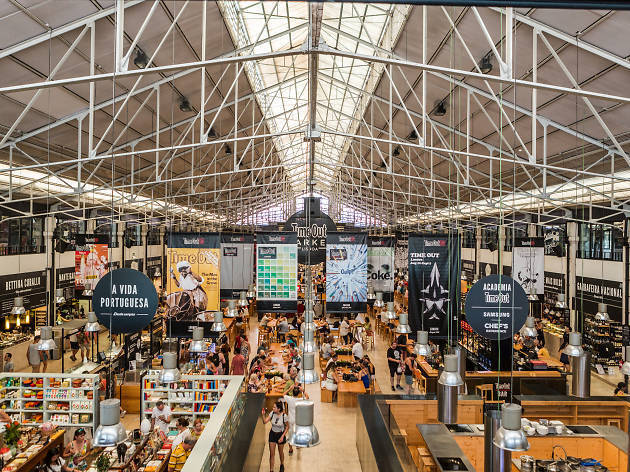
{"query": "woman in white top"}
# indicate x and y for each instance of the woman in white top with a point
(344, 330)
(183, 431)
(326, 349)
(332, 379)
(278, 434)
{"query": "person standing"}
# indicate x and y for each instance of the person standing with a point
(238, 363)
(277, 434)
(74, 345)
(161, 416)
(35, 356)
(410, 367)
(394, 361)
(344, 330)
(182, 431)
(357, 350)
(180, 454)
(290, 401)
(8, 362)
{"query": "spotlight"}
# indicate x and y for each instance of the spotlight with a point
(396, 152)
(413, 136)
(184, 105)
(440, 109)
(485, 66)
(212, 133)
(141, 60)
(228, 150)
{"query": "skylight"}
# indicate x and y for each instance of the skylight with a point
(277, 26)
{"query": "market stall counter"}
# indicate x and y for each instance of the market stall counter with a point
(31, 450)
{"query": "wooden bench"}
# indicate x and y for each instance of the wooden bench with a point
(326, 396)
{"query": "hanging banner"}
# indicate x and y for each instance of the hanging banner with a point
(237, 264)
(125, 301)
(91, 260)
(30, 285)
(434, 284)
(528, 264)
(65, 280)
(401, 254)
(468, 268)
(346, 272)
(496, 307)
(380, 265)
(193, 265)
(554, 282)
(590, 291)
(311, 226)
(276, 272)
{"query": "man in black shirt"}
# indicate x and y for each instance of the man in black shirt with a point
(394, 360)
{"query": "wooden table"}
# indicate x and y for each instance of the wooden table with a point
(347, 391)
(278, 362)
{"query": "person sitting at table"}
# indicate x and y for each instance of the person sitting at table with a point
(197, 429)
(294, 356)
(357, 350)
(283, 328)
(332, 378)
(360, 318)
(344, 330)
(332, 361)
(264, 320)
(253, 385)
(326, 349)
(291, 382)
(54, 462)
(541, 351)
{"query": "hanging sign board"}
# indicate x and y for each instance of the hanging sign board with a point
(125, 301)
(528, 262)
(30, 285)
(276, 272)
(381, 264)
(311, 226)
(91, 260)
(346, 272)
(496, 307)
(237, 264)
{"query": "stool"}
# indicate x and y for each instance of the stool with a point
(326, 395)
(420, 381)
(614, 422)
(369, 340)
(483, 391)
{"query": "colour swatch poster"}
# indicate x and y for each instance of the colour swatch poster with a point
(276, 272)
(346, 273)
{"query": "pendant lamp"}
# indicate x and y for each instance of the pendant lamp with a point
(574, 348)
(18, 306)
(170, 372)
(218, 326)
(510, 436)
(242, 302)
(47, 342)
(602, 312)
(561, 301)
(371, 296)
(197, 344)
(391, 311)
(157, 273)
(307, 373)
(378, 303)
(110, 432)
(304, 433)
(232, 311)
(529, 330)
(92, 325)
(88, 292)
(251, 291)
(403, 326)
(422, 347)
(532, 297)
(59, 298)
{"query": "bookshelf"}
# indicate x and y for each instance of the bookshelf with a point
(194, 395)
(63, 399)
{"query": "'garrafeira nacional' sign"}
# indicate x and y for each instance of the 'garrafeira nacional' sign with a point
(496, 307)
(125, 301)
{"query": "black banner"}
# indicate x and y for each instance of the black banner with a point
(193, 240)
(311, 226)
(276, 272)
(133, 345)
(82, 240)
(590, 292)
(434, 284)
(346, 272)
(554, 282)
(30, 285)
(237, 263)
(65, 280)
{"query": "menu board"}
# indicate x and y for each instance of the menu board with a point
(276, 272)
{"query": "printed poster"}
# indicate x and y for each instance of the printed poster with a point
(380, 266)
(193, 281)
(276, 272)
(346, 272)
(528, 264)
(434, 284)
(237, 264)
(91, 260)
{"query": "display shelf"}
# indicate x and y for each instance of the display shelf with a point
(603, 339)
(55, 389)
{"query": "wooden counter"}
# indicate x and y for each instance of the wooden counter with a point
(573, 411)
(524, 382)
(36, 459)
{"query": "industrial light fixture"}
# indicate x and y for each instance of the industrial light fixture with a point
(242, 302)
(485, 65)
(391, 311)
(379, 303)
(141, 60)
(212, 133)
(413, 136)
(228, 150)
(18, 306)
(602, 312)
(92, 325)
(307, 373)
(184, 105)
(464, 278)
(47, 343)
(218, 326)
(110, 431)
(440, 109)
(396, 151)
(88, 292)
(532, 297)
(510, 436)
(232, 311)
(304, 433)
(450, 375)
(370, 294)
(529, 330)
(170, 372)
(157, 272)
(561, 301)
(574, 348)
(251, 291)
(422, 347)
(60, 299)
(403, 326)
(625, 368)
(197, 344)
